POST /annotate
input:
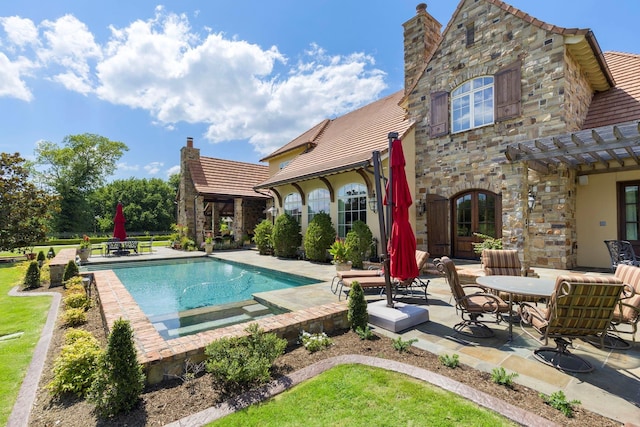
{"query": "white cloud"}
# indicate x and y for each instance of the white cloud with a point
(173, 170)
(20, 31)
(161, 65)
(126, 167)
(153, 168)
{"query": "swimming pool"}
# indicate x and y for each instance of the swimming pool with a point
(186, 296)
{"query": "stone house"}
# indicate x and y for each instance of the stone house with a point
(524, 131)
(211, 189)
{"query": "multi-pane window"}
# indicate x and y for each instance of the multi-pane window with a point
(293, 206)
(472, 104)
(631, 204)
(318, 201)
(352, 206)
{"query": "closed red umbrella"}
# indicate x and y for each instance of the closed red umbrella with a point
(118, 224)
(402, 240)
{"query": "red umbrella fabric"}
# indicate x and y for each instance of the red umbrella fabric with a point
(118, 224)
(402, 240)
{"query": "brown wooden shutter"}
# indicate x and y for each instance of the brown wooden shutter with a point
(508, 91)
(438, 243)
(439, 114)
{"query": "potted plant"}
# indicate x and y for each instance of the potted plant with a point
(208, 244)
(339, 251)
(85, 248)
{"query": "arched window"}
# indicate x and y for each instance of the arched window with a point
(352, 206)
(293, 206)
(472, 104)
(318, 201)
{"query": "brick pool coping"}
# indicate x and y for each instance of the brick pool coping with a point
(164, 359)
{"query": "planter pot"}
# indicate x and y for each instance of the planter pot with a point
(343, 266)
(84, 254)
(208, 248)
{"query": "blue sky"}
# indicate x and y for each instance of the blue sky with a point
(242, 78)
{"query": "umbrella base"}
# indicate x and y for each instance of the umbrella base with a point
(402, 316)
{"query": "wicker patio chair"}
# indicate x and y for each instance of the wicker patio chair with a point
(580, 306)
(472, 306)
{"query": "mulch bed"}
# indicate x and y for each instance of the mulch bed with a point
(172, 400)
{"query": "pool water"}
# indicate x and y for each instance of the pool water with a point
(186, 296)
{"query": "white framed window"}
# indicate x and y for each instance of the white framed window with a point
(318, 201)
(352, 206)
(293, 206)
(472, 104)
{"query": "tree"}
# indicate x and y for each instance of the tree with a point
(80, 166)
(148, 204)
(24, 209)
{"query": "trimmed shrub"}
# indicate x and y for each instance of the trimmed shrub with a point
(76, 299)
(74, 317)
(32, 277)
(319, 236)
(74, 368)
(238, 362)
(286, 236)
(51, 253)
(358, 241)
(70, 270)
(357, 314)
(119, 379)
(41, 258)
(262, 237)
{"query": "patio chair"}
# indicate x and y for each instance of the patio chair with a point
(621, 252)
(112, 246)
(580, 306)
(626, 313)
(472, 306)
(146, 245)
(374, 279)
(504, 262)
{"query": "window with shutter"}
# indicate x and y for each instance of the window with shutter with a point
(439, 114)
(472, 104)
(508, 91)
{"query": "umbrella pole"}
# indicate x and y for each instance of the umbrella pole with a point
(383, 231)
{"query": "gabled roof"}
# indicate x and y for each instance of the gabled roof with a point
(306, 140)
(345, 143)
(581, 43)
(227, 177)
(621, 103)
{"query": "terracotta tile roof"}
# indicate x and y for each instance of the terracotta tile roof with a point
(347, 141)
(621, 103)
(306, 139)
(227, 177)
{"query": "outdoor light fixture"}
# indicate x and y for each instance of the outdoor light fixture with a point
(373, 203)
(421, 207)
(531, 200)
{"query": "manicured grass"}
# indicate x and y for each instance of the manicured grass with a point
(357, 395)
(17, 314)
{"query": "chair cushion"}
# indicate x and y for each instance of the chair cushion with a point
(630, 275)
(483, 304)
(501, 262)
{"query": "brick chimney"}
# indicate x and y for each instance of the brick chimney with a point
(422, 33)
(189, 142)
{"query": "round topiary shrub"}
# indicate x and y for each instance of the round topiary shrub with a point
(262, 237)
(319, 236)
(286, 237)
(357, 314)
(32, 277)
(359, 241)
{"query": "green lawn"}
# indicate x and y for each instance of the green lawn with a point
(357, 395)
(18, 314)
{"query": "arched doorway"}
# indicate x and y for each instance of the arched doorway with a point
(475, 211)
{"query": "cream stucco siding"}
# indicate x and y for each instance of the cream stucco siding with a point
(596, 216)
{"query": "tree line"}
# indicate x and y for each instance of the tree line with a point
(66, 190)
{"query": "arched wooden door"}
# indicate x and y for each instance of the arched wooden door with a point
(476, 211)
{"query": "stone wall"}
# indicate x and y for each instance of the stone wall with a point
(187, 191)
(555, 98)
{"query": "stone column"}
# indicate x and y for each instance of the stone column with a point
(238, 219)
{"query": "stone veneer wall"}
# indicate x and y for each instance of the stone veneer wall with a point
(555, 98)
(187, 190)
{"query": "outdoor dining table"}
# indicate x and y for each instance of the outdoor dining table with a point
(519, 285)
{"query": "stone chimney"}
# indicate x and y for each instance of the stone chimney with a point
(422, 33)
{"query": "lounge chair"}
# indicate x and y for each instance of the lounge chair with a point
(472, 306)
(504, 262)
(580, 306)
(374, 279)
(626, 313)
